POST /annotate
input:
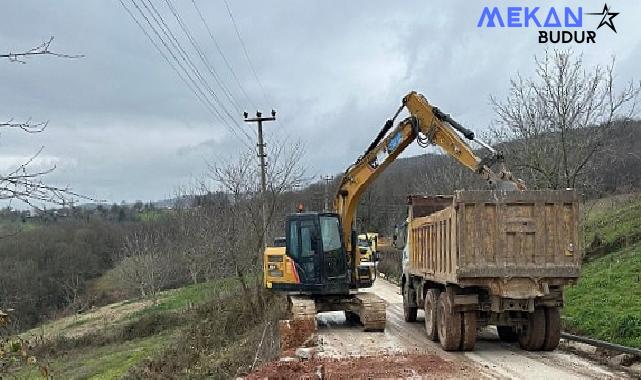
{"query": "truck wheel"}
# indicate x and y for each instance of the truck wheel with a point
(552, 328)
(507, 334)
(468, 340)
(533, 336)
(449, 324)
(409, 312)
(431, 307)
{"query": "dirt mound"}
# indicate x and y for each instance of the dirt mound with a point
(295, 332)
(391, 366)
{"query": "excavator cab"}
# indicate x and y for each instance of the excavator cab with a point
(314, 259)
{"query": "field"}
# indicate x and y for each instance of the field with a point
(164, 335)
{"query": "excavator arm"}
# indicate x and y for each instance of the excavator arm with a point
(428, 125)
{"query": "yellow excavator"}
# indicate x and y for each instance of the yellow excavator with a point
(320, 267)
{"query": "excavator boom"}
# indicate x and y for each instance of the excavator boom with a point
(428, 125)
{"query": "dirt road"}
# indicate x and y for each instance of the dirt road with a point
(492, 359)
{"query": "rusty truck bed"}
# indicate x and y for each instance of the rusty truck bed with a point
(475, 236)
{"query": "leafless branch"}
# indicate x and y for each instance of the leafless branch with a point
(27, 186)
(42, 49)
(26, 126)
(557, 121)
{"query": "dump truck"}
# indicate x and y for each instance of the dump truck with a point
(490, 257)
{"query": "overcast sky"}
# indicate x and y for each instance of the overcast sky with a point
(122, 125)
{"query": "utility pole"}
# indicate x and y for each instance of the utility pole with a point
(261, 154)
(326, 179)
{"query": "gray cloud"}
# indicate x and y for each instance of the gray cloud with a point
(123, 126)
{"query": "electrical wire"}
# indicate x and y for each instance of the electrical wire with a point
(162, 53)
(166, 30)
(242, 44)
(185, 56)
(203, 57)
(220, 51)
(193, 84)
(191, 87)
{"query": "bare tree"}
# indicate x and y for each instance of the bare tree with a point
(240, 178)
(200, 239)
(72, 287)
(557, 122)
(240, 226)
(42, 49)
(27, 185)
(148, 265)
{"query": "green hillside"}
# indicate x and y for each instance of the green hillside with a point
(606, 302)
(205, 330)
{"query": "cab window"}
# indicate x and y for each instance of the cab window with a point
(293, 240)
(307, 238)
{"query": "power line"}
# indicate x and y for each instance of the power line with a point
(191, 83)
(242, 43)
(220, 51)
(203, 57)
(246, 53)
(166, 30)
(185, 57)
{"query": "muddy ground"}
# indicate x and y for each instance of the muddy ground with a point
(375, 367)
(344, 351)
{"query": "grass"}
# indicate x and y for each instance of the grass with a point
(109, 341)
(189, 296)
(119, 313)
(79, 324)
(10, 227)
(106, 362)
(220, 339)
(606, 301)
(151, 215)
(612, 225)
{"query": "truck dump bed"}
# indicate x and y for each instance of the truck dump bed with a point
(476, 236)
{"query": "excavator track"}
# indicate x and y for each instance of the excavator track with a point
(302, 307)
(371, 310)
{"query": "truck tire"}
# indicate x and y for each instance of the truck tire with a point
(552, 328)
(409, 312)
(431, 311)
(533, 336)
(468, 338)
(449, 324)
(507, 334)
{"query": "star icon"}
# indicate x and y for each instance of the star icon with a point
(607, 17)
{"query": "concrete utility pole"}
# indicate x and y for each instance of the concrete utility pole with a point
(261, 154)
(326, 179)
